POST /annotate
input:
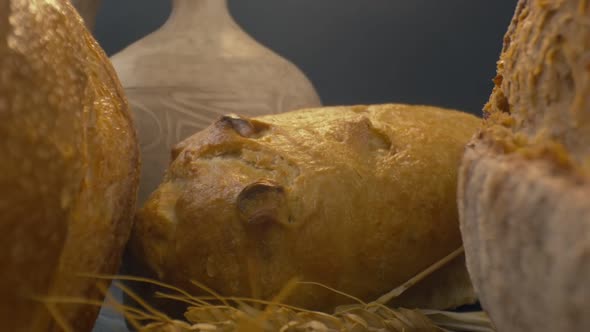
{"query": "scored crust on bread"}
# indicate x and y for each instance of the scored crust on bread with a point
(524, 191)
(69, 170)
(357, 198)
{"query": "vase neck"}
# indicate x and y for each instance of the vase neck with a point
(188, 15)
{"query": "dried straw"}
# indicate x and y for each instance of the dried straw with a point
(215, 313)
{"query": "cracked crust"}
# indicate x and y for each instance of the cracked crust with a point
(358, 198)
(524, 180)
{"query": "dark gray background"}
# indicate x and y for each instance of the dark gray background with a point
(439, 52)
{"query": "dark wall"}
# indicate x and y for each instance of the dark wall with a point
(440, 52)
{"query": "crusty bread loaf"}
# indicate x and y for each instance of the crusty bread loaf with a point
(69, 170)
(357, 198)
(524, 192)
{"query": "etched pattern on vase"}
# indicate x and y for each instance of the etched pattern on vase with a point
(166, 116)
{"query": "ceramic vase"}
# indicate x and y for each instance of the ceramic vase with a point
(198, 66)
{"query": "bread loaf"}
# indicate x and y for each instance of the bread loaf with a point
(69, 170)
(524, 188)
(359, 198)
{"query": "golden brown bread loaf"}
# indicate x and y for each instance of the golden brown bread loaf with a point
(357, 198)
(69, 170)
(524, 194)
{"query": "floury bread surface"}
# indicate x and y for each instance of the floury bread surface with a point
(524, 194)
(357, 198)
(69, 166)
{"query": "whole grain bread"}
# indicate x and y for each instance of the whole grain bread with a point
(524, 191)
(69, 166)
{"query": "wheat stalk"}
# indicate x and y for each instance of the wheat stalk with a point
(215, 313)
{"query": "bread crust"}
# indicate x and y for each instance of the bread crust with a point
(540, 104)
(69, 171)
(527, 241)
(357, 198)
(523, 188)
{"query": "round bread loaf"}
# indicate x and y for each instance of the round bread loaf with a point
(358, 198)
(69, 170)
(524, 188)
